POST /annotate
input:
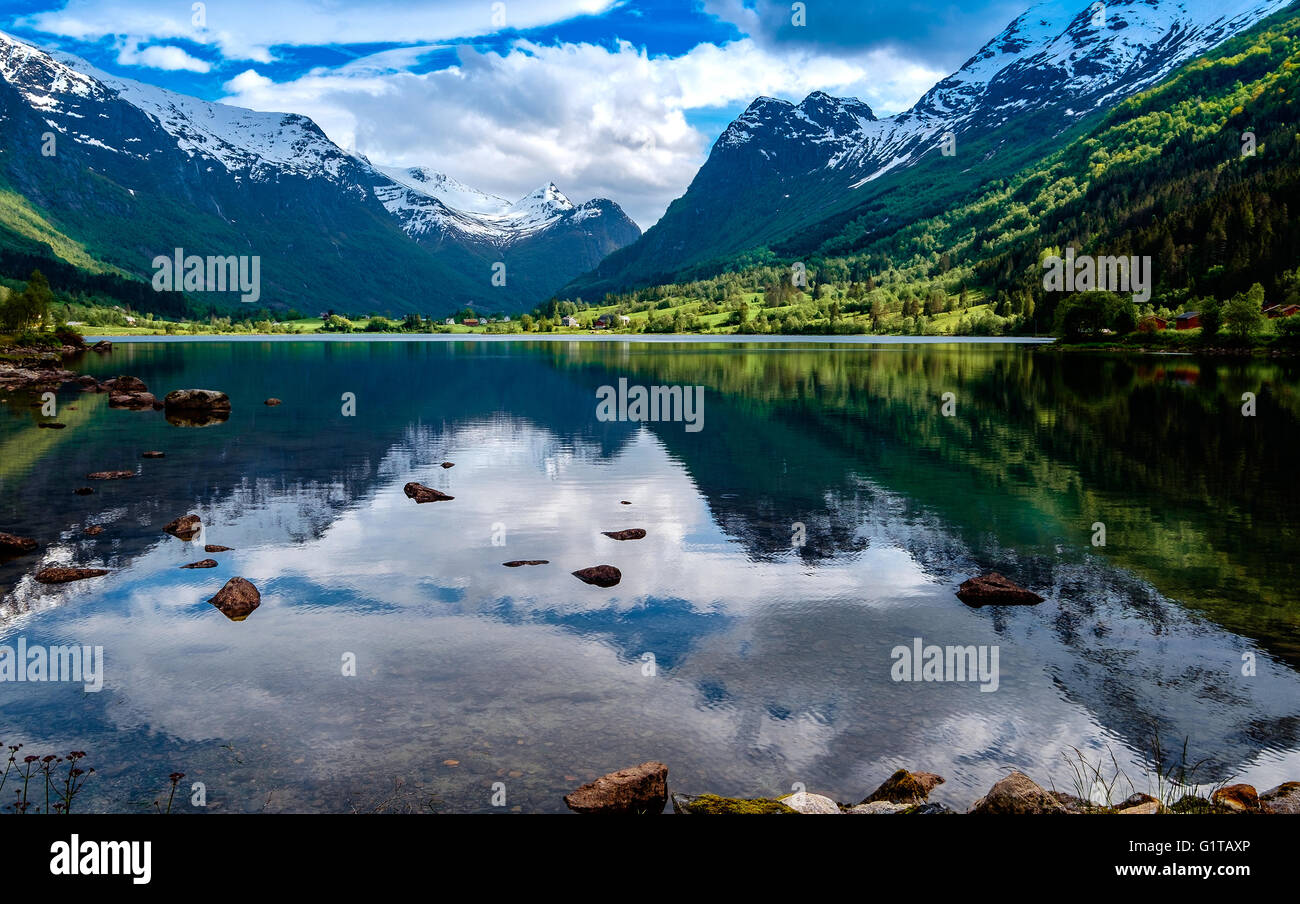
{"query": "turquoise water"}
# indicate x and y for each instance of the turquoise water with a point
(744, 660)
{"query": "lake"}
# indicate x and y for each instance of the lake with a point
(821, 517)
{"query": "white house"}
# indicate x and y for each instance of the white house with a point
(570, 321)
(450, 321)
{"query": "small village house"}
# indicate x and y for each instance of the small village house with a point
(1189, 321)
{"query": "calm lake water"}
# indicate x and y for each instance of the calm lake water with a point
(772, 661)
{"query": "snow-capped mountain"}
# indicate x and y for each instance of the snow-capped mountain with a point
(781, 167)
(171, 171)
(544, 239)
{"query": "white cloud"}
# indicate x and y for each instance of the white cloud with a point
(600, 122)
(248, 29)
(158, 56)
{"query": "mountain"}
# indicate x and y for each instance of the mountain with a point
(784, 177)
(543, 239)
(138, 171)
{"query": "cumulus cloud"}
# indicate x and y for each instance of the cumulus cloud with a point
(160, 56)
(599, 121)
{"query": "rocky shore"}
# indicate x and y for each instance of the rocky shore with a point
(643, 789)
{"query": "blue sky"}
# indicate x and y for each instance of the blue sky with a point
(608, 98)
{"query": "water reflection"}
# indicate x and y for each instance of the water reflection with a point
(771, 660)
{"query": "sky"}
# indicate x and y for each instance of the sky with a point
(619, 99)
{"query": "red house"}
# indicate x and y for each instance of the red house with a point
(1189, 321)
(1152, 324)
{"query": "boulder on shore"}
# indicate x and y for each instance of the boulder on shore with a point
(1285, 798)
(641, 789)
(1017, 795)
(632, 533)
(995, 590)
(713, 805)
(197, 400)
(811, 804)
(421, 494)
(905, 787)
(237, 599)
(186, 527)
(600, 575)
(1237, 798)
(11, 545)
(62, 575)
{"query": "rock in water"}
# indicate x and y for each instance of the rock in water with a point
(905, 787)
(1285, 798)
(878, 808)
(153, 454)
(83, 491)
(1238, 798)
(518, 562)
(111, 475)
(186, 527)
(197, 400)
(1017, 794)
(448, 464)
(600, 575)
(995, 590)
(205, 563)
(126, 384)
(421, 494)
(211, 548)
(237, 599)
(93, 531)
(52, 425)
(632, 533)
(11, 545)
(134, 401)
(641, 789)
(811, 804)
(66, 575)
(271, 403)
(102, 346)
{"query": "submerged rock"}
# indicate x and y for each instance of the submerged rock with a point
(905, 787)
(93, 531)
(193, 417)
(237, 599)
(1019, 795)
(641, 789)
(632, 533)
(421, 494)
(51, 425)
(186, 527)
(518, 562)
(600, 575)
(205, 563)
(995, 590)
(713, 805)
(62, 575)
(12, 545)
(1237, 798)
(111, 475)
(83, 491)
(153, 454)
